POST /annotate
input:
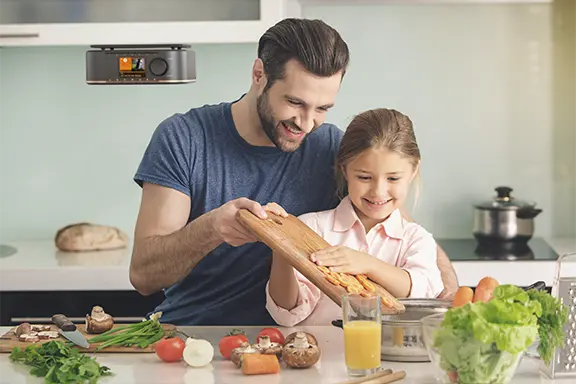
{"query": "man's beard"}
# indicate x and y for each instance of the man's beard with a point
(272, 127)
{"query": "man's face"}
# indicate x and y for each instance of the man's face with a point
(296, 105)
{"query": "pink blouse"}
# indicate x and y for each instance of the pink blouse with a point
(395, 241)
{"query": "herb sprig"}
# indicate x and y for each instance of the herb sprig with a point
(59, 364)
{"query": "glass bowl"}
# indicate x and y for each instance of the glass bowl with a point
(459, 358)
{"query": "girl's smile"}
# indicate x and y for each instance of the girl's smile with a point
(378, 183)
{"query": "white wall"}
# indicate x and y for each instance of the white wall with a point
(475, 79)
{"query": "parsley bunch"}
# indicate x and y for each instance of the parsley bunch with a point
(59, 364)
(550, 323)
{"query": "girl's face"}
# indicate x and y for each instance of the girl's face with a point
(378, 182)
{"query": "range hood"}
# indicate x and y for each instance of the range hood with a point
(140, 64)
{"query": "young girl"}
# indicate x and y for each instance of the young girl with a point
(377, 161)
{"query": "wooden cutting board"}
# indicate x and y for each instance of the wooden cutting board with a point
(295, 241)
(9, 341)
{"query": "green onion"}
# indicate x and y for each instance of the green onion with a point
(141, 334)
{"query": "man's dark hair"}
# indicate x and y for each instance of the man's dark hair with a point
(314, 44)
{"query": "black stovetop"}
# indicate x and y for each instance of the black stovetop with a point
(536, 249)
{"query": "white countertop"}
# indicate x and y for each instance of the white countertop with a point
(39, 265)
(143, 368)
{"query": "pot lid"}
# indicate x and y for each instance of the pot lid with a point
(504, 201)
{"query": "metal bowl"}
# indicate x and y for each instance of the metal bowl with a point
(402, 338)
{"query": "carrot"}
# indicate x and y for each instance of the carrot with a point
(463, 296)
(484, 289)
(257, 364)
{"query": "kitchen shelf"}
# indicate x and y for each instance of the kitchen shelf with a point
(84, 22)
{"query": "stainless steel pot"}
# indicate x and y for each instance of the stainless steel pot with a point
(402, 334)
(504, 218)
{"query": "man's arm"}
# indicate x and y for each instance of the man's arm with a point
(448, 275)
(166, 249)
(446, 270)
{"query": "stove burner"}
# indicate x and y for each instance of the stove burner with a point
(472, 250)
(504, 251)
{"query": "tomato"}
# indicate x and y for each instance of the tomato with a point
(232, 340)
(170, 349)
(275, 335)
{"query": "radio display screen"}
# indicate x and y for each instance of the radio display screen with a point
(132, 67)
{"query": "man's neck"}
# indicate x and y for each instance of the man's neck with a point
(245, 116)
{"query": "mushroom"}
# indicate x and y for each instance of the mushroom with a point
(236, 354)
(299, 352)
(311, 339)
(266, 347)
(40, 328)
(23, 329)
(99, 321)
(28, 338)
(43, 335)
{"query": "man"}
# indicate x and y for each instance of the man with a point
(201, 167)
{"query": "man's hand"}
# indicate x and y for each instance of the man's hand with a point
(227, 226)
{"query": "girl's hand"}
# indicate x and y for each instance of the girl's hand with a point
(344, 259)
(276, 209)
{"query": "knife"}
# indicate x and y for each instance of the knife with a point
(69, 331)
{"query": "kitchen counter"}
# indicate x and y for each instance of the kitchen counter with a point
(145, 368)
(39, 266)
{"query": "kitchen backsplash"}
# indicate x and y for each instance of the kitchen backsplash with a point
(479, 82)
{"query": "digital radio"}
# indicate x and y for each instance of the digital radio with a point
(140, 64)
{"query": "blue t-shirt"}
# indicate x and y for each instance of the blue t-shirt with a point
(201, 154)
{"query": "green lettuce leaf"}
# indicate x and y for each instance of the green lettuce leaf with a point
(482, 342)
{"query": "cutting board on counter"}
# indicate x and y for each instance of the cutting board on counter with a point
(295, 241)
(9, 340)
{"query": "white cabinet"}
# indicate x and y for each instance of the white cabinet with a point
(419, 2)
(101, 22)
(91, 22)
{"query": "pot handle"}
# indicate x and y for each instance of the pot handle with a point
(337, 323)
(527, 212)
(539, 286)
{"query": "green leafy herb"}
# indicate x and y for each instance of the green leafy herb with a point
(141, 334)
(59, 364)
(482, 342)
(550, 323)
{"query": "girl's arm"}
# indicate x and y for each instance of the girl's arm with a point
(290, 296)
(417, 275)
(395, 280)
(283, 285)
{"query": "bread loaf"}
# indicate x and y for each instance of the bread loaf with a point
(90, 237)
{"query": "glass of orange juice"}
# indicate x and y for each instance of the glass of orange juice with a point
(362, 325)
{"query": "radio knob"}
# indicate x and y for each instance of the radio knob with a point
(158, 67)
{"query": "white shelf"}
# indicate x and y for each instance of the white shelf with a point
(93, 32)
